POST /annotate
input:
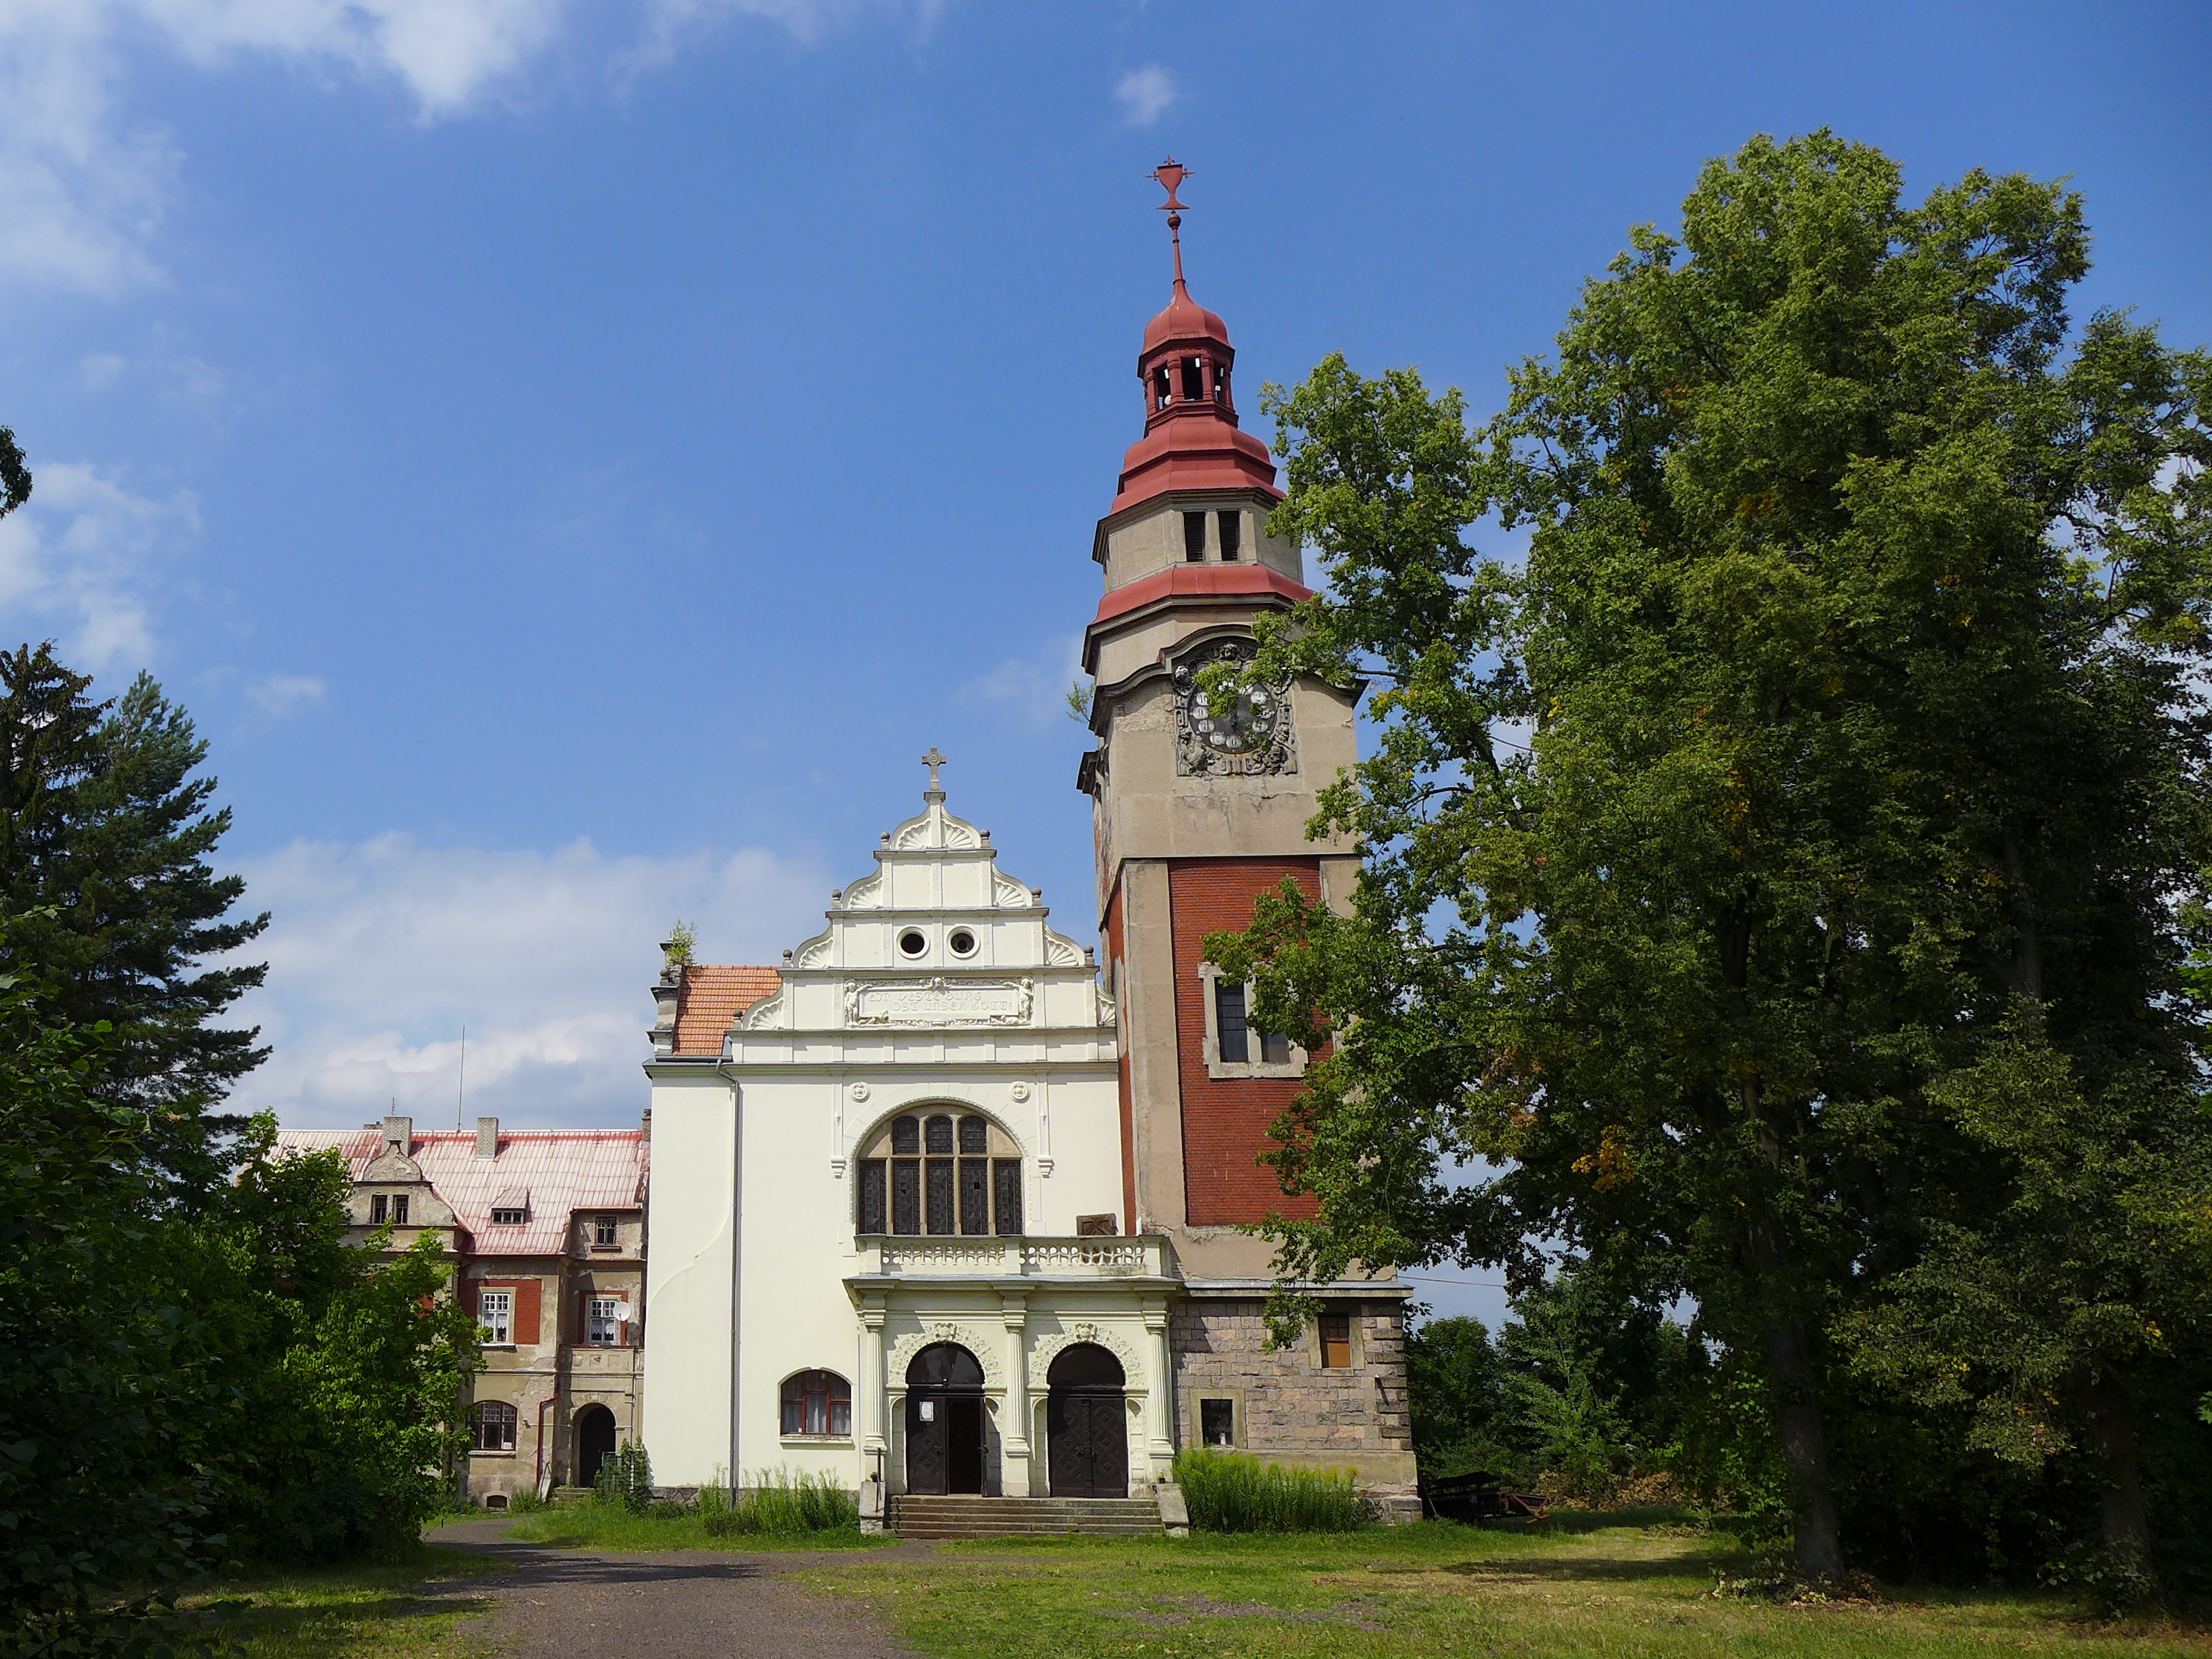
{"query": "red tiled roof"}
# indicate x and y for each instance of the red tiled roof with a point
(563, 1170)
(713, 996)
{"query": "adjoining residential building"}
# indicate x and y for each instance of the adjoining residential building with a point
(548, 1230)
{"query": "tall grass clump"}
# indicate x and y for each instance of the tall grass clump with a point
(627, 1478)
(1228, 1492)
(778, 1502)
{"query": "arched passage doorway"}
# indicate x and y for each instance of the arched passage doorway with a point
(1086, 1428)
(945, 1421)
(595, 1442)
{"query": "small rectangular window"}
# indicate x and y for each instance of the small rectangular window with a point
(1217, 1422)
(1006, 1178)
(1193, 536)
(974, 1195)
(603, 1321)
(400, 1209)
(906, 1195)
(378, 1206)
(603, 1233)
(872, 1219)
(938, 1189)
(495, 1315)
(1232, 534)
(1194, 379)
(1335, 1341)
(1229, 1024)
(1274, 1049)
(1161, 390)
(509, 1217)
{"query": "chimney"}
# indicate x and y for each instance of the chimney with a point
(399, 1135)
(487, 1137)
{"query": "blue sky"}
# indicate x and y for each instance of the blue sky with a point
(572, 459)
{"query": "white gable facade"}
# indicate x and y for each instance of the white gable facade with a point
(883, 1214)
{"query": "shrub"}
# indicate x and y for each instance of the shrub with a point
(779, 1502)
(627, 1478)
(525, 1501)
(1228, 1492)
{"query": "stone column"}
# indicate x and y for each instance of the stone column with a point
(1159, 1397)
(870, 1404)
(1014, 1429)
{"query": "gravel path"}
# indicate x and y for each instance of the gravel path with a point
(561, 1602)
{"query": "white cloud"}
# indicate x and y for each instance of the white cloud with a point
(669, 23)
(100, 371)
(281, 695)
(83, 187)
(380, 953)
(1034, 690)
(1145, 94)
(77, 560)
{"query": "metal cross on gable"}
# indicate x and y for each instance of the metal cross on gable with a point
(933, 760)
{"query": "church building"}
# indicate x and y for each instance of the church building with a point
(943, 1204)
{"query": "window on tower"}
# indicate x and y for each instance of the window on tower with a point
(1232, 534)
(1193, 536)
(939, 1173)
(1194, 379)
(1236, 1046)
(1221, 383)
(1235, 1041)
(1162, 390)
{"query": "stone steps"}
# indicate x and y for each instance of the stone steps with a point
(969, 1516)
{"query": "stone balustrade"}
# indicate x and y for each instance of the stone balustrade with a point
(955, 1256)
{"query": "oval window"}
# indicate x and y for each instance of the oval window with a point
(912, 942)
(963, 942)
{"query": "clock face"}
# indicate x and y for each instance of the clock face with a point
(1238, 730)
(1243, 720)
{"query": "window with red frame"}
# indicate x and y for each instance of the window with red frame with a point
(817, 1402)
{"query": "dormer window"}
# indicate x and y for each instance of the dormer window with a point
(508, 1217)
(511, 1208)
(940, 1172)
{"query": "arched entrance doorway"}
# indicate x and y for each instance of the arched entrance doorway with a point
(1086, 1428)
(945, 1421)
(595, 1442)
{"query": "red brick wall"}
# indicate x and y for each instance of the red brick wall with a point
(1224, 1121)
(1115, 979)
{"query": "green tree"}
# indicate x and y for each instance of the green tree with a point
(1456, 1388)
(2094, 1266)
(114, 1374)
(105, 837)
(1845, 695)
(14, 473)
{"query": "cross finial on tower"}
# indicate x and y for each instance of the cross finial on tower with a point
(1170, 175)
(933, 760)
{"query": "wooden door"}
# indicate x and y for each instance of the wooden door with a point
(926, 1444)
(963, 1434)
(1087, 1445)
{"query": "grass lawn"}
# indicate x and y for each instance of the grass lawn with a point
(1432, 1589)
(611, 1527)
(402, 1609)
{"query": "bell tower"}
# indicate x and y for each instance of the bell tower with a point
(1198, 809)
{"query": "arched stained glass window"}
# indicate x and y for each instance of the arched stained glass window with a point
(944, 1173)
